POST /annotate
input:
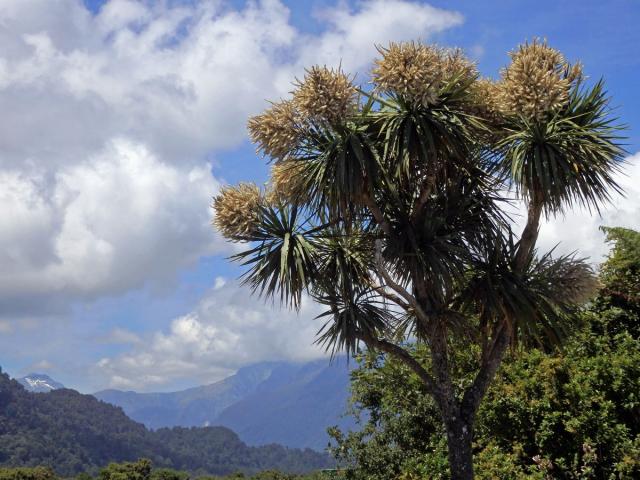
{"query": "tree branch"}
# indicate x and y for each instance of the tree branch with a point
(529, 234)
(392, 297)
(492, 355)
(377, 214)
(391, 283)
(425, 193)
(405, 357)
(440, 367)
(490, 363)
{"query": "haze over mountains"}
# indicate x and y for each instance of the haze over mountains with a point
(272, 402)
(78, 433)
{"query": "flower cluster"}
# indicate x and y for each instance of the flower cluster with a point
(277, 131)
(458, 67)
(538, 81)
(418, 72)
(287, 182)
(236, 210)
(486, 100)
(326, 95)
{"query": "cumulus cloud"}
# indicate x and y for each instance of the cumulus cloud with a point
(579, 230)
(42, 366)
(109, 119)
(228, 329)
(102, 226)
(182, 79)
(353, 34)
(108, 124)
(121, 336)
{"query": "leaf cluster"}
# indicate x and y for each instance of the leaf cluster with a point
(393, 213)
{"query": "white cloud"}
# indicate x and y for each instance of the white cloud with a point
(42, 366)
(108, 122)
(579, 230)
(121, 336)
(183, 79)
(104, 226)
(118, 14)
(353, 34)
(231, 328)
(228, 329)
(109, 119)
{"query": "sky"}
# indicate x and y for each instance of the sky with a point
(122, 118)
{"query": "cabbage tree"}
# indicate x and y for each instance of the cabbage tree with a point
(388, 204)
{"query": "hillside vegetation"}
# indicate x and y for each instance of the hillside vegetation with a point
(143, 470)
(75, 433)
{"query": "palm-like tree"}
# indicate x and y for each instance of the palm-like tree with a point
(388, 208)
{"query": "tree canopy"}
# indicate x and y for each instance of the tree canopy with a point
(389, 207)
(566, 413)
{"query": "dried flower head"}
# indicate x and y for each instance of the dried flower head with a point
(236, 210)
(486, 100)
(418, 72)
(538, 81)
(277, 131)
(458, 66)
(287, 183)
(325, 94)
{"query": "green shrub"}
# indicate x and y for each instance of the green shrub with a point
(168, 474)
(140, 470)
(35, 473)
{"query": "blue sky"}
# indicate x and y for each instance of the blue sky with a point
(122, 119)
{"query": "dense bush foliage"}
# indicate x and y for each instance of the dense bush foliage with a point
(568, 414)
(143, 469)
(74, 433)
(36, 473)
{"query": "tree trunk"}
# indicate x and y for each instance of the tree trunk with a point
(457, 421)
(529, 234)
(459, 438)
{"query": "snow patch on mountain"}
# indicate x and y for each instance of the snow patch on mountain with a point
(39, 383)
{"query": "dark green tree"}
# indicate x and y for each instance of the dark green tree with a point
(34, 473)
(140, 470)
(388, 208)
(75, 433)
(619, 297)
(168, 474)
(566, 414)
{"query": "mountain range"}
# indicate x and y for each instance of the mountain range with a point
(72, 433)
(291, 404)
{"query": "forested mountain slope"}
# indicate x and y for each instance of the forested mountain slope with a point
(72, 432)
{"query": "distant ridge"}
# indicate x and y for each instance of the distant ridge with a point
(72, 433)
(272, 402)
(194, 407)
(294, 406)
(39, 383)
